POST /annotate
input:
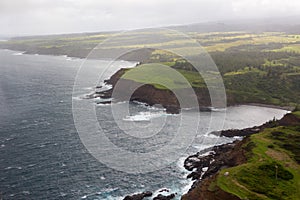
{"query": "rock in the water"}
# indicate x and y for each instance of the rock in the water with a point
(138, 196)
(164, 190)
(162, 197)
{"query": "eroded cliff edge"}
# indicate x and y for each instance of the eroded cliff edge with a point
(151, 95)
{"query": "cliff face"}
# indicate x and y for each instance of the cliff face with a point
(151, 95)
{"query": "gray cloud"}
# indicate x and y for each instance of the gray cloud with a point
(64, 16)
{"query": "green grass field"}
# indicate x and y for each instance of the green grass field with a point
(163, 77)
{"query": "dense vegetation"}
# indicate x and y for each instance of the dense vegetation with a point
(262, 72)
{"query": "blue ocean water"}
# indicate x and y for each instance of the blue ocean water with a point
(41, 154)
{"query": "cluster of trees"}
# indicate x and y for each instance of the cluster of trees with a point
(229, 61)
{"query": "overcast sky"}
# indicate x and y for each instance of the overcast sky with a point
(32, 17)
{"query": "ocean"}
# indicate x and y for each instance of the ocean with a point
(42, 155)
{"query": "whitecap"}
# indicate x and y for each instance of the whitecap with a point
(63, 194)
(26, 192)
(108, 190)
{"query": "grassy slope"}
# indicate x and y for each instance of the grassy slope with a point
(272, 170)
(159, 76)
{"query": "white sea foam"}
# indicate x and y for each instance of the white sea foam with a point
(18, 53)
(145, 105)
(187, 187)
(143, 116)
(88, 88)
(103, 105)
(78, 98)
(165, 191)
(101, 100)
(218, 109)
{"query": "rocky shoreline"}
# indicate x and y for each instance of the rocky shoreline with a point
(206, 164)
(142, 195)
(205, 168)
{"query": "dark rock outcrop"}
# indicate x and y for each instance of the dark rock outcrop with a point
(220, 157)
(141, 196)
(162, 197)
(138, 196)
(223, 156)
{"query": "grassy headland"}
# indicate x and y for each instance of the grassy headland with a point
(264, 166)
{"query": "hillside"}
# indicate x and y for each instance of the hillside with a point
(262, 166)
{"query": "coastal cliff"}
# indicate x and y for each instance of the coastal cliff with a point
(136, 89)
(264, 165)
(151, 95)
